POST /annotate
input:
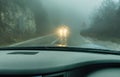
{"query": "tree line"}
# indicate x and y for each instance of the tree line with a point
(105, 22)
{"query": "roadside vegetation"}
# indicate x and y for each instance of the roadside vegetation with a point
(21, 20)
(105, 22)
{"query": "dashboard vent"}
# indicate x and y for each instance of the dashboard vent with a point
(24, 53)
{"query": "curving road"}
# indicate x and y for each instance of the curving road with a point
(53, 40)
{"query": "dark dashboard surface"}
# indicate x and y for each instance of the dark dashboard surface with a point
(43, 61)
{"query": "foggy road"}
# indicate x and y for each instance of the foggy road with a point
(40, 41)
(72, 18)
(53, 40)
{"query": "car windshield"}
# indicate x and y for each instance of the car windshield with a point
(60, 23)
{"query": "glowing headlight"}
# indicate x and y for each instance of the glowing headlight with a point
(63, 31)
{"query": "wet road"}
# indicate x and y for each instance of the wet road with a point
(53, 40)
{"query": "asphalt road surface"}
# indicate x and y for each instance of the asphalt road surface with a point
(53, 40)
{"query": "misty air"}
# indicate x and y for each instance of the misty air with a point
(61, 23)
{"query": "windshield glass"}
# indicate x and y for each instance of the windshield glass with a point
(61, 23)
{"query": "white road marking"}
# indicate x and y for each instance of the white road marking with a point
(91, 44)
(54, 41)
(30, 40)
(86, 40)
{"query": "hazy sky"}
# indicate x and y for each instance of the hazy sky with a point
(72, 12)
(80, 6)
(84, 6)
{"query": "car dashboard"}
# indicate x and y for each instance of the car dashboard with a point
(49, 63)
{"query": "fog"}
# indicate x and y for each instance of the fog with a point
(73, 13)
(27, 19)
(101, 17)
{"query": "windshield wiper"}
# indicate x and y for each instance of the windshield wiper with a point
(69, 49)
